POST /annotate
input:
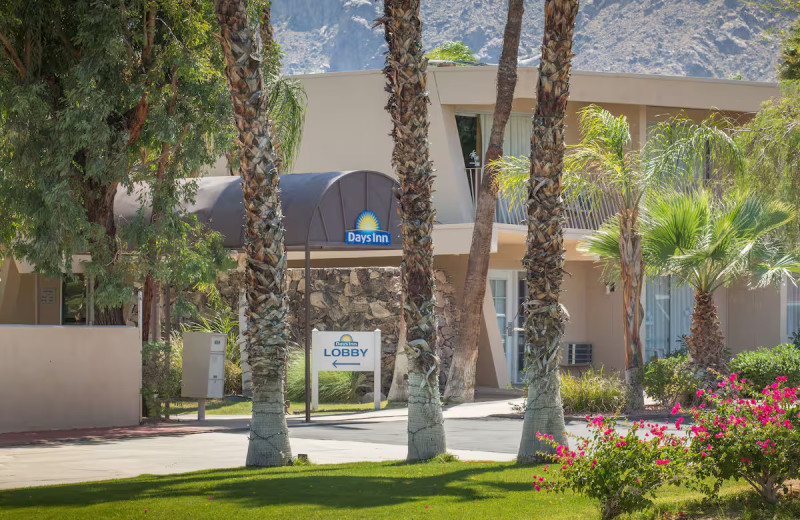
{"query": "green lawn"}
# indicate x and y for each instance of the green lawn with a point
(457, 490)
(223, 407)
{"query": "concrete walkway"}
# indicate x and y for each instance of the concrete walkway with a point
(25, 466)
(221, 442)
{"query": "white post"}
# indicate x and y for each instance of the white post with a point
(378, 354)
(201, 409)
(140, 300)
(314, 372)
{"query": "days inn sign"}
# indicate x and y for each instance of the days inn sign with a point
(351, 351)
(368, 231)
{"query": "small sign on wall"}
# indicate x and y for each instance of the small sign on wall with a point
(47, 296)
(345, 351)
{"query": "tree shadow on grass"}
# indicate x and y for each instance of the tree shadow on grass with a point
(341, 487)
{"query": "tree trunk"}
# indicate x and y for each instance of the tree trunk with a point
(147, 306)
(266, 312)
(398, 391)
(461, 378)
(544, 259)
(630, 247)
(408, 108)
(99, 205)
(706, 343)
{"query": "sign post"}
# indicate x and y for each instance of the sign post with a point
(343, 351)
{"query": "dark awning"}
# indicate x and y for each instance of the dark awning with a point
(318, 209)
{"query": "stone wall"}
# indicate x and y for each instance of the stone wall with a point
(366, 298)
(359, 298)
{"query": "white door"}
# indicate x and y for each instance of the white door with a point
(508, 293)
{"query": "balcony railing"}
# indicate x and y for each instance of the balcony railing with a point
(582, 213)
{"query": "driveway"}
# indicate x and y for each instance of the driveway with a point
(222, 443)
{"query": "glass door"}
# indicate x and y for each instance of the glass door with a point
(520, 294)
(508, 293)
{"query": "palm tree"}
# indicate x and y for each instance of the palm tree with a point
(408, 109)
(707, 243)
(604, 165)
(461, 378)
(266, 335)
(544, 259)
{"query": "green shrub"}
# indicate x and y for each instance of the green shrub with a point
(334, 387)
(592, 392)
(670, 380)
(622, 470)
(158, 382)
(233, 378)
(761, 367)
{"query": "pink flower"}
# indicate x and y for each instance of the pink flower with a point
(536, 487)
(700, 393)
(662, 462)
(676, 408)
(782, 379)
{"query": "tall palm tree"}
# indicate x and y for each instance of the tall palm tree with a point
(408, 109)
(544, 259)
(266, 335)
(604, 165)
(461, 379)
(707, 243)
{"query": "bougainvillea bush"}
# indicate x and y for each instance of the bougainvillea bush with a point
(756, 440)
(621, 470)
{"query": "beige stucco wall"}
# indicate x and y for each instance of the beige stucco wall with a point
(18, 297)
(69, 377)
(753, 318)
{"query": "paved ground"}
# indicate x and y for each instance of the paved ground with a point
(221, 442)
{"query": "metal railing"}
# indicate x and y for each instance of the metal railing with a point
(582, 213)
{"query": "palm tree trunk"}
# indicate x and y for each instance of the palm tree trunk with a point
(408, 108)
(461, 378)
(630, 247)
(544, 259)
(706, 343)
(266, 336)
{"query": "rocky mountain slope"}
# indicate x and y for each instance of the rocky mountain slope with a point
(708, 38)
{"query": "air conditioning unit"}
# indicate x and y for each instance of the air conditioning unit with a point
(577, 354)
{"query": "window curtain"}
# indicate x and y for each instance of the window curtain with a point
(792, 309)
(668, 315)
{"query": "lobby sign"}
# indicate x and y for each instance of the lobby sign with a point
(345, 351)
(368, 232)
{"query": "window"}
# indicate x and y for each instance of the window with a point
(792, 309)
(668, 316)
(73, 294)
(500, 301)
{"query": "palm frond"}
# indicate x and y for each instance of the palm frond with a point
(512, 178)
(604, 244)
(286, 106)
(679, 148)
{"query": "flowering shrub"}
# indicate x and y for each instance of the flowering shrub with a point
(622, 471)
(757, 440)
(670, 380)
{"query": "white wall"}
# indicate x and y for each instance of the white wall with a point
(54, 377)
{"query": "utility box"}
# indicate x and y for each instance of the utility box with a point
(203, 365)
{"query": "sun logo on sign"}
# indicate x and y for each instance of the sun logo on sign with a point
(345, 341)
(368, 231)
(368, 221)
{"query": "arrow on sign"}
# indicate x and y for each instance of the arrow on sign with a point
(336, 364)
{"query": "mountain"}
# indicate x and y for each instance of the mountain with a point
(706, 38)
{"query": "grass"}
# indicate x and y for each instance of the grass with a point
(463, 490)
(225, 407)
